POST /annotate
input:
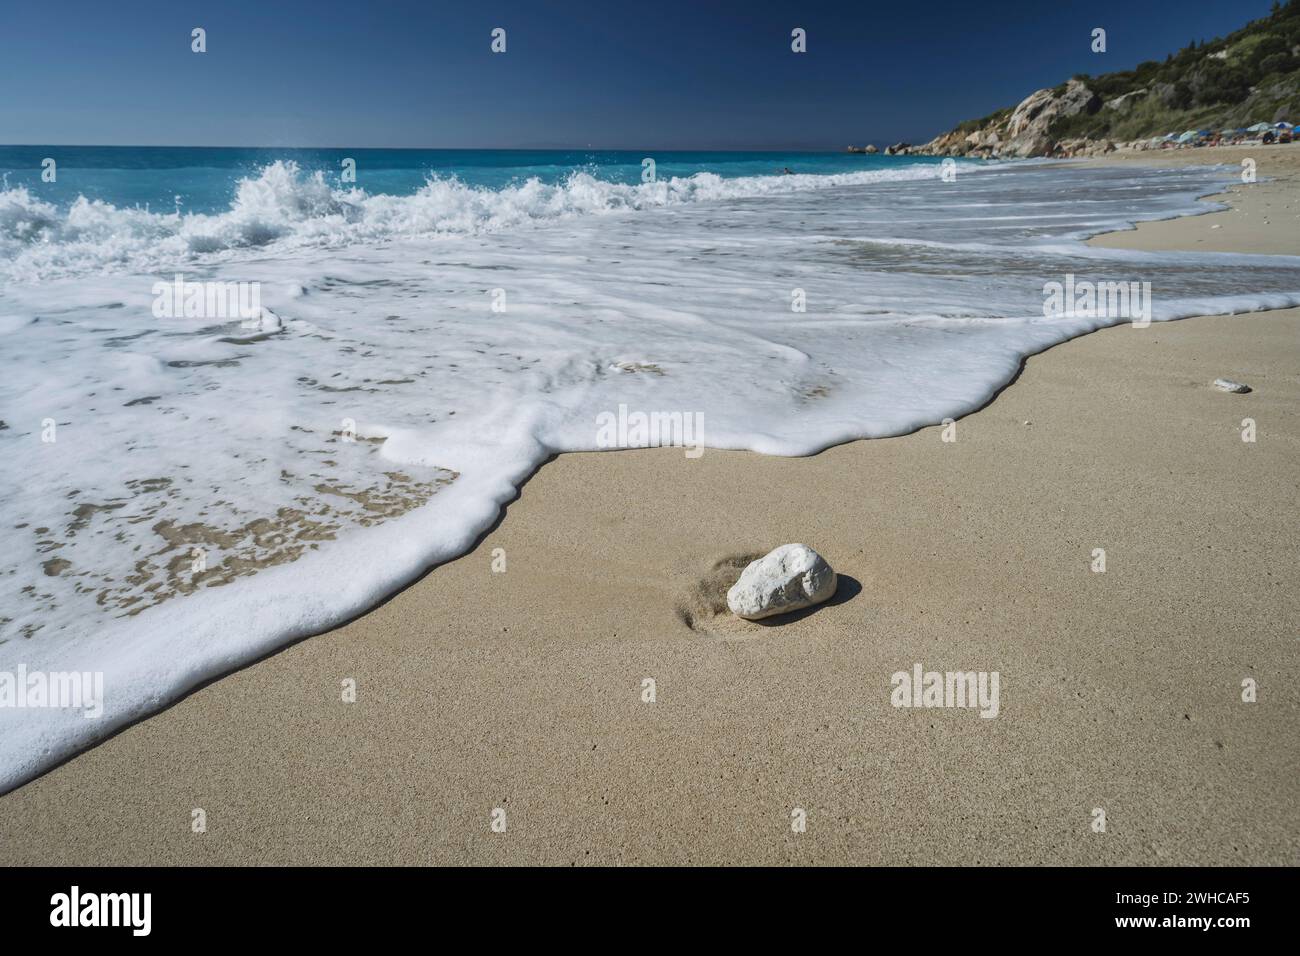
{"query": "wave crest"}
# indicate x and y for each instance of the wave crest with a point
(284, 204)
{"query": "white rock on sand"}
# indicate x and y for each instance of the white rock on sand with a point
(1228, 385)
(791, 577)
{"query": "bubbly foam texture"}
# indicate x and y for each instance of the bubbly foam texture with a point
(289, 208)
(216, 488)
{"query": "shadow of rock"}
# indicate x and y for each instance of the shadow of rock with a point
(846, 589)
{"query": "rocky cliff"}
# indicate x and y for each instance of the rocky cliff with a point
(1024, 131)
(1251, 76)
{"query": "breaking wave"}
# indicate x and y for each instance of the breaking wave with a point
(288, 206)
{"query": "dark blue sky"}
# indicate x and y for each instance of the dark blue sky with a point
(619, 73)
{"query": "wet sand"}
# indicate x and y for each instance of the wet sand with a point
(522, 691)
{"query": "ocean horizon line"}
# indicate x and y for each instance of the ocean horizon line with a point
(468, 149)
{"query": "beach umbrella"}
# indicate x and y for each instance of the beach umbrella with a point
(1187, 137)
(1258, 128)
(1282, 126)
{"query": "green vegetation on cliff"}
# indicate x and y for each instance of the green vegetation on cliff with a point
(1247, 77)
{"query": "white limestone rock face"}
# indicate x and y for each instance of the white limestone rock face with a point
(1028, 123)
(793, 576)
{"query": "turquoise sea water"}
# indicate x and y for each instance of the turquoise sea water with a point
(203, 180)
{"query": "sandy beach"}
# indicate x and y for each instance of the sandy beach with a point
(522, 691)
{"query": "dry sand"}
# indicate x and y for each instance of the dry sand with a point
(523, 690)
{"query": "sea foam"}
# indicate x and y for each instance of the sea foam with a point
(291, 208)
(210, 493)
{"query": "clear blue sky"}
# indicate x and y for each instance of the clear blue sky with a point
(619, 73)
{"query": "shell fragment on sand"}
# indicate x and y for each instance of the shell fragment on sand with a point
(791, 577)
(1228, 385)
